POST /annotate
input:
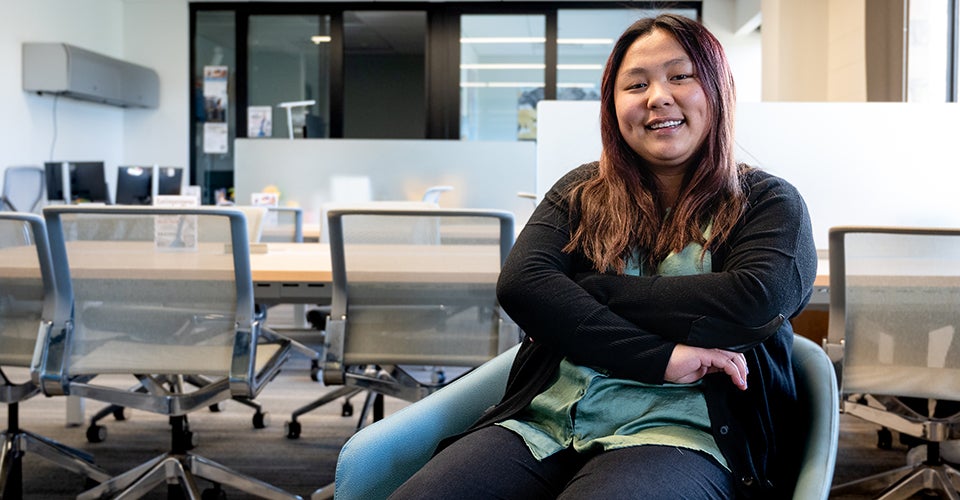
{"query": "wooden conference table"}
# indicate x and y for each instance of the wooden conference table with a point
(301, 273)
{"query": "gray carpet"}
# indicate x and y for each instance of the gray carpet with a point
(299, 466)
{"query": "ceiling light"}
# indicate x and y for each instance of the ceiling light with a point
(475, 85)
(503, 39)
(591, 67)
(504, 66)
(318, 39)
(585, 41)
(536, 39)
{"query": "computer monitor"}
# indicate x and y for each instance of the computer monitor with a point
(55, 181)
(88, 183)
(169, 180)
(134, 186)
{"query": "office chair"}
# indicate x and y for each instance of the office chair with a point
(432, 194)
(26, 308)
(380, 457)
(126, 228)
(396, 306)
(159, 311)
(894, 297)
(283, 224)
(23, 189)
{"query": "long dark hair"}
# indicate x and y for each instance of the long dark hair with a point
(620, 208)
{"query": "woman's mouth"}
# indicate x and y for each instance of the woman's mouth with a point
(664, 124)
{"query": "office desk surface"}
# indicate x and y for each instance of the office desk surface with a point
(301, 272)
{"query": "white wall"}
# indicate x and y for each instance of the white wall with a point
(862, 168)
(37, 128)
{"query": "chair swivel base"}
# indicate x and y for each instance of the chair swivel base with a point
(182, 469)
(16, 444)
(907, 481)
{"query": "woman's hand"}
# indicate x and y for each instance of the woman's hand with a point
(689, 364)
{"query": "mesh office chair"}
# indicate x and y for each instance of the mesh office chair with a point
(395, 303)
(379, 458)
(158, 311)
(26, 308)
(894, 315)
(23, 189)
(127, 228)
(283, 224)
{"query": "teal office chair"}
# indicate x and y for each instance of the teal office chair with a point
(392, 313)
(894, 301)
(380, 457)
(158, 311)
(26, 309)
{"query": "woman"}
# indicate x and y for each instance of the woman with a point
(654, 288)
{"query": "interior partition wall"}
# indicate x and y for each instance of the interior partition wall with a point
(390, 70)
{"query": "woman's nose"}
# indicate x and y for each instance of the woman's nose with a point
(659, 95)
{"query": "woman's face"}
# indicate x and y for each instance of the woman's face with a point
(662, 109)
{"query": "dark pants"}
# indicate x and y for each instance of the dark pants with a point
(493, 462)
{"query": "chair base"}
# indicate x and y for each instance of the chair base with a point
(182, 469)
(17, 444)
(906, 481)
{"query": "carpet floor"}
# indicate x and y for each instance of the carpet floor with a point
(297, 465)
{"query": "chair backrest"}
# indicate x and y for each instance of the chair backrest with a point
(380, 457)
(23, 188)
(395, 297)
(255, 221)
(819, 397)
(388, 205)
(282, 224)
(179, 303)
(894, 297)
(26, 286)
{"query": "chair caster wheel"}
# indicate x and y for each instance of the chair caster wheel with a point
(314, 370)
(96, 434)
(214, 493)
(217, 407)
(292, 429)
(120, 413)
(884, 439)
(261, 420)
(347, 410)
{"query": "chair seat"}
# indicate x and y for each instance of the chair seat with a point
(169, 359)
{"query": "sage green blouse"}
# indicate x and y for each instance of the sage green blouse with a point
(587, 409)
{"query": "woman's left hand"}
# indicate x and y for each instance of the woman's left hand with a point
(689, 364)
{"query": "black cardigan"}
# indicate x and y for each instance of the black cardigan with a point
(629, 325)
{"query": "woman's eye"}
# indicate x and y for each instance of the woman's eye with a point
(636, 86)
(682, 76)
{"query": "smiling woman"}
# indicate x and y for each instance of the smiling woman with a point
(654, 287)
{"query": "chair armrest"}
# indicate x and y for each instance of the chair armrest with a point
(381, 456)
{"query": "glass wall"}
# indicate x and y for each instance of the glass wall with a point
(928, 51)
(501, 75)
(288, 67)
(584, 41)
(384, 74)
(437, 70)
(214, 102)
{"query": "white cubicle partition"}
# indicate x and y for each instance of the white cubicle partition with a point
(483, 174)
(854, 163)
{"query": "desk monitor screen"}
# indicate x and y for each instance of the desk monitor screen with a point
(134, 186)
(88, 183)
(54, 180)
(169, 180)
